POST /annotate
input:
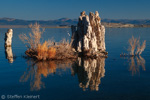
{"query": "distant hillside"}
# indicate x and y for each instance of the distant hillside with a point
(67, 22)
(62, 21)
(127, 21)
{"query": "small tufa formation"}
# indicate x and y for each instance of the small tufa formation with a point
(8, 38)
(88, 37)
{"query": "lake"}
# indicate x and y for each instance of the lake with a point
(113, 78)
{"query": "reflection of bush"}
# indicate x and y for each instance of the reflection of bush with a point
(36, 71)
(135, 63)
(89, 72)
(43, 68)
(46, 68)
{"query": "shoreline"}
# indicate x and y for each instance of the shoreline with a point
(26, 26)
(107, 25)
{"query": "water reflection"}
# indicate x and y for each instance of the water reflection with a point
(9, 54)
(136, 63)
(89, 72)
(37, 70)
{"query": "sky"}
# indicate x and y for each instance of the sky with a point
(55, 9)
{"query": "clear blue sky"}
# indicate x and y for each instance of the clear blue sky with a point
(55, 9)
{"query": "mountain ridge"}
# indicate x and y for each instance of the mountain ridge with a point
(68, 21)
(6, 22)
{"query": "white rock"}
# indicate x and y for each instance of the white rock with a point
(79, 46)
(90, 34)
(86, 43)
(94, 42)
(8, 37)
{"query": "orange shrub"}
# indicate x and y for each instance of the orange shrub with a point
(51, 52)
(43, 52)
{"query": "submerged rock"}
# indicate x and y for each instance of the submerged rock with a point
(89, 35)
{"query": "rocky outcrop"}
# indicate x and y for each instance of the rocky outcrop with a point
(8, 37)
(89, 72)
(89, 35)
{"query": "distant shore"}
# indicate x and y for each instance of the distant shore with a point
(120, 25)
(26, 26)
(109, 25)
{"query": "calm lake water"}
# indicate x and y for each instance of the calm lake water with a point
(114, 78)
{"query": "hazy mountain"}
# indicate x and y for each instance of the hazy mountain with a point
(62, 21)
(128, 21)
(67, 21)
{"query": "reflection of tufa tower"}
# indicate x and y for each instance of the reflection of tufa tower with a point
(89, 35)
(8, 42)
(9, 54)
(89, 72)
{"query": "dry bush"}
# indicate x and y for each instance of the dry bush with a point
(64, 50)
(134, 44)
(58, 51)
(141, 48)
(49, 49)
(51, 52)
(51, 42)
(44, 52)
(34, 37)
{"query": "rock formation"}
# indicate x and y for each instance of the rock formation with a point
(9, 54)
(89, 72)
(89, 35)
(8, 37)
